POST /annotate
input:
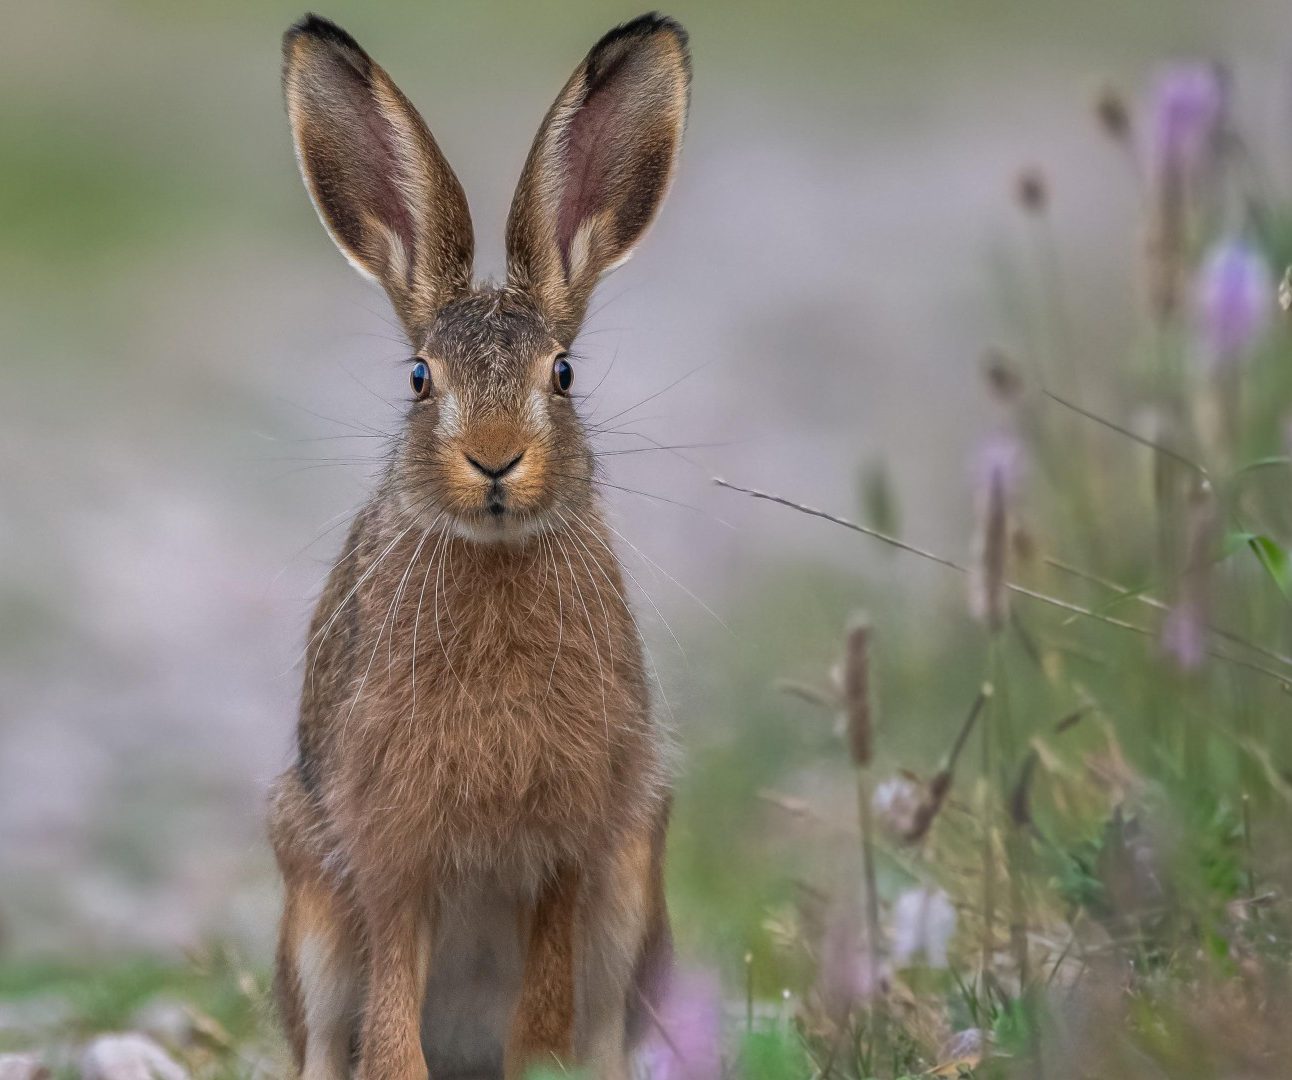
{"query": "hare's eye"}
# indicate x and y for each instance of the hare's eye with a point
(562, 375)
(420, 378)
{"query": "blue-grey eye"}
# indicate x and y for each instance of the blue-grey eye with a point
(420, 378)
(562, 375)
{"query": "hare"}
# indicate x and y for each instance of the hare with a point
(472, 834)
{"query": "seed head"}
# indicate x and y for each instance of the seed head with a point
(1112, 113)
(1024, 543)
(1032, 190)
(999, 468)
(1001, 373)
(856, 691)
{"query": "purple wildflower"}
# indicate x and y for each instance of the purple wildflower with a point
(1184, 636)
(685, 1042)
(1000, 457)
(1188, 106)
(1233, 298)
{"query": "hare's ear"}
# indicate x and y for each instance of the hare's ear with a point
(378, 180)
(600, 167)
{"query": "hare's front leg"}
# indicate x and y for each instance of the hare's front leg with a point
(318, 980)
(398, 935)
(625, 932)
(319, 971)
(542, 1029)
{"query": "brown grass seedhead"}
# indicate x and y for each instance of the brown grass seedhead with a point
(1112, 113)
(1032, 190)
(1003, 379)
(988, 596)
(857, 693)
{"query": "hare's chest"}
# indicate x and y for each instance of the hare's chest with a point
(506, 719)
(489, 783)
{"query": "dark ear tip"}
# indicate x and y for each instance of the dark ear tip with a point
(323, 30)
(649, 25)
(655, 22)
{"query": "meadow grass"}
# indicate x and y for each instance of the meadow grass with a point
(1110, 870)
(1059, 846)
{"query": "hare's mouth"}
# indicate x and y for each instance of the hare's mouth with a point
(498, 520)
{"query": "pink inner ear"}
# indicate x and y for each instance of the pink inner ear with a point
(355, 161)
(387, 167)
(589, 152)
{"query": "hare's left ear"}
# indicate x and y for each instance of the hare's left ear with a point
(600, 167)
(377, 178)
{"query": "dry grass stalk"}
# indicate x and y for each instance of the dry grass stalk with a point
(856, 691)
(1018, 590)
(940, 786)
(988, 596)
(1112, 113)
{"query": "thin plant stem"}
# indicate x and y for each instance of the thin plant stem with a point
(749, 993)
(1141, 597)
(1165, 451)
(879, 1027)
(1076, 609)
(1007, 754)
(988, 855)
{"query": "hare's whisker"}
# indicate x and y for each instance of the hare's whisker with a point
(355, 424)
(321, 633)
(596, 648)
(560, 613)
(713, 614)
(376, 645)
(417, 617)
(373, 393)
(644, 494)
(641, 589)
(442, 552)
(399, 592)
(330, 525)
(676, 382)
(626, 606)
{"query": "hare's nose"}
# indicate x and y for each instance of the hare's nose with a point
(494, 471)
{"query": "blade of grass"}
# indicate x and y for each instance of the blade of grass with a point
(1021, 590)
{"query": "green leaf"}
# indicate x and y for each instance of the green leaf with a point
(1275, 560)
(1235, 541)
(1262, 463)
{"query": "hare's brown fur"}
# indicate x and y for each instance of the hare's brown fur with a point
(472, 835)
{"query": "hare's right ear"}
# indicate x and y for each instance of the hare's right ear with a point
(600, 167)
(378, 180)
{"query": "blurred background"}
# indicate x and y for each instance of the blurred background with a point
(189, 364)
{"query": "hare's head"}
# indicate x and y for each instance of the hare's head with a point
(493, 441)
